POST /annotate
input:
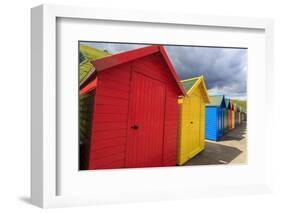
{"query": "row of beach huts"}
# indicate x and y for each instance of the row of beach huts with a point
(135, 112)
(217, 116)
(224, 114)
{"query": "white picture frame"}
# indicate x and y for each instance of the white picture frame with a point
(44, 148)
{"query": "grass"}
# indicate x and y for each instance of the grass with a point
(89, 54)
(242, 104)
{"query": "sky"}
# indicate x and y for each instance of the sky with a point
(224, 69)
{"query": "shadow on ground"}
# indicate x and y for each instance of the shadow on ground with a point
(237, 134)
(25, 199)
(215, 154)
(231, 146)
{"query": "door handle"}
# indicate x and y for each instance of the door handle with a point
(191, 122)
(135, 127)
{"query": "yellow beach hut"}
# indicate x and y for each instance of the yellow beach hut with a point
(239, 115)
(232, 115)
(191, 133)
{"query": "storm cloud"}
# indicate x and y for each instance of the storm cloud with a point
(224, 69)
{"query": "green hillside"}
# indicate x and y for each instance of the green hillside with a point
(242, 104)
(86, 54)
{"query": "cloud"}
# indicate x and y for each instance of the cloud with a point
(224, 69)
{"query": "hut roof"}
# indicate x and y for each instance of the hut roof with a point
(189, 86)
(124, 57)
(217, 100)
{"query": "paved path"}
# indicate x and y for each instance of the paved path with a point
(230, 149)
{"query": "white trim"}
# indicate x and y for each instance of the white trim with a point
(37, 106)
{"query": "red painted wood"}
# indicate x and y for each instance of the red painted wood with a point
(145, 144)
(112, 75)
(229, 117)
(148, 97)
(106, 161)
(120, 74)
(108, 151)
(104, 126)
(92, 85)
(112, 93)
(107, 100)
(113, 134)
(170, 129)
(114, 85)
(157, 68)
(122, 58)
(109, 118)
(111, 109)
(111, 142)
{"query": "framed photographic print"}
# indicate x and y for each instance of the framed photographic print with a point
(130, 106)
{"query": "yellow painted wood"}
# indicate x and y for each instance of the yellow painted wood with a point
(191, 134)
(180, 100)
(235, 107)
(239, 118)
(233, 119)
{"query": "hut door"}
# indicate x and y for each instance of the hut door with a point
(193, 124)
(220, 121)
(146, 122)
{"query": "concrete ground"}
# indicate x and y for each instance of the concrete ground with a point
(230, 149)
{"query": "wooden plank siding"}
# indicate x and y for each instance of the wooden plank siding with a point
(109, 129)
(171, 127)
(154, 67)
(211, 123)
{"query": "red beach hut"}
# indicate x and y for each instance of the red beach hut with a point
(134, 110)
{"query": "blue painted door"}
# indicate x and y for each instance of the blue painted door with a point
(220, 122)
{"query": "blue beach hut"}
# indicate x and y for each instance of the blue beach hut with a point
(214, 117)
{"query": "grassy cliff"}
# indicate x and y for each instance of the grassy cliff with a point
(86, 55)
(242, 104)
